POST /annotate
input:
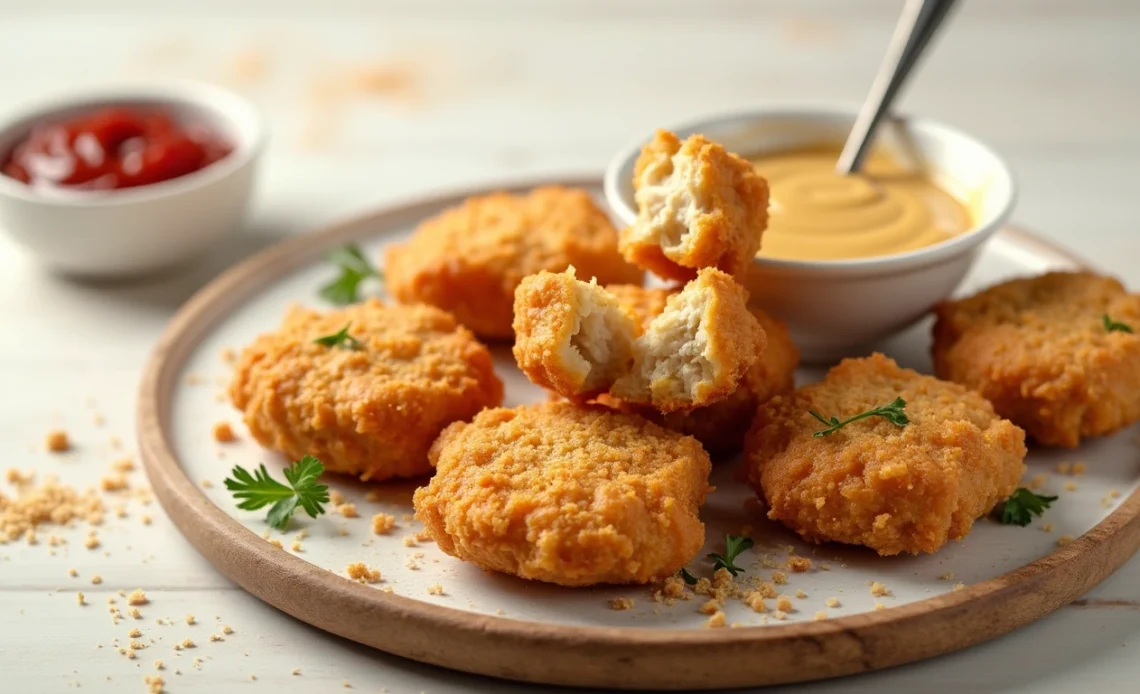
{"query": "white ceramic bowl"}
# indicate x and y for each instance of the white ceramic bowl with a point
(838, 308)
(135, 230)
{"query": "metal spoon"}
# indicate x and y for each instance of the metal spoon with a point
(919, 22)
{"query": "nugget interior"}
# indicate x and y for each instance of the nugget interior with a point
(672, 356)
(601, 343)
(668, 205)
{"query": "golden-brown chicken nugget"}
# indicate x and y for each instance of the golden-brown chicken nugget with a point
(469, 259)
(567, 494)
(697, 206)
(1041, 351)
(872, 482)
(576, 339)
(720, 427)
(372, 404)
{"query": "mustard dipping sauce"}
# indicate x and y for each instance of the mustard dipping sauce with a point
(817, 214)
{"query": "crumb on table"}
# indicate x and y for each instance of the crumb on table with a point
(716, 621)
(799, 564)
(57, 441)
(359, 571)
(382, 523)
(621, 604)
(223, 432)
(878, 589)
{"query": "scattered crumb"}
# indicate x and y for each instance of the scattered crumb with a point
(154, 684)
(134, 613)
(833, 602)
(206, 484)
(799, 564)
(187, 643)
(137, 597)
(767, 590)
(134, 633)
(1114, 493)
(57, 441)
(223, 432)
(382, 523)
(779, 614)
(144, 519)
(227, 630)
(72, 572)
(91, 542)
(335, 497)
(784, 604)
(948, 576)
(123, 465)
(616, 603)
(216, 637)
(779, 578)
(358, 571)
(51, 503)
(1070, 486)
(158, 665)
(878, 589)
(1064, 540)
(437, 589)
(190, 619)
(959, 586)
(1063, 468)
(277, 544)
(1047, 527)
(296, 546)
(296, 672)
(880, 606)
(1079, 469)
(716, 621)
(820, 616)
(1037, 482)
(755, 601)
(709, 607)
(347, 510)
(410, 541)
(800, 594)
(80, 599)
(371, 496)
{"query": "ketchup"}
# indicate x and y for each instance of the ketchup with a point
(116, 147)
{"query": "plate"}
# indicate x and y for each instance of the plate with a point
(438, 610)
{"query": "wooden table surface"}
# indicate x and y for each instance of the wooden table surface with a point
(372, 101)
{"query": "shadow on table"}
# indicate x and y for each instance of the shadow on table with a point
(170, 288)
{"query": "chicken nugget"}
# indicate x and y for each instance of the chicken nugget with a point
(368, 403)
(697, 206)
(894, 488)
(576, 339)
(566, 494)
(1058, 354)
(720, 427)
(469, 259)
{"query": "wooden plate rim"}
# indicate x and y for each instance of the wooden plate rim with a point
(626, 657)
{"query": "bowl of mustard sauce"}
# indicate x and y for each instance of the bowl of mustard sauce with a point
(847, 260)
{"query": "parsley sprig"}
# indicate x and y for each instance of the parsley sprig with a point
(1022, 505)
(1111, 326)
(734, 546)
(259, 490)
(340, 339)
(354, 269)
(893, 413)
(688, 577)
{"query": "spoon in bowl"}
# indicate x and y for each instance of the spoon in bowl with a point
(919, 22)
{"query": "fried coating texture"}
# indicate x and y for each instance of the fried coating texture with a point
(576, 339)
(697, 206)
(371, 412)
(893, 489)
(469, 259)
(566, 494)
(720, 427)
(1038, 350)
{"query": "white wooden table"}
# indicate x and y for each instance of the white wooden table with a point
(464, 92)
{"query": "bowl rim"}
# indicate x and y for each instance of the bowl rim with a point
(938, 252)
(247, 125)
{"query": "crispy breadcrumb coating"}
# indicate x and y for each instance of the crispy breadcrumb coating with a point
(1038, 350)
(894, 489)
(721, 426)
(697, 206)
(576, 339)
(566, 494)
(469, 259)
(372, 412)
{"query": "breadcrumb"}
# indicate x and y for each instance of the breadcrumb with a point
(134, 633)
(1064, 540)
(158, 665)
(114, 483)
(277, 544)
(799, 564)
(187, 643)
(1079, 469)
(622, 604)
(57, 441)
(359, 571)
(190, 619)
(801, 594)
(709, 607)
(155, 684)
(881, 606)
(784, 604)
(134, 613)
(91, 542)
(296, 546)
(820, 616)
(959, 586)
(779, 578)
(833, 602)
(223, 432)
(206, 484)
(1037, 482)
(878, 589)
(948, 576)
(437, 589)
(72, 572)
(1063, 468)
(296, 672)
(779, 614)
(123, 465)
(51, 503)
(216, 637)
(716, 621)
(137, 597)
(347, 510)
(1070, 486)
(755, 600)
(80, 599)
(382, 523)
(1047, 527)
(227, 630)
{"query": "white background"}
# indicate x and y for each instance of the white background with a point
(478, 91)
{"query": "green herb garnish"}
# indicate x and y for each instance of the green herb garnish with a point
(1112, 326)
(340, 339)
(259, 490)
(734, 546)
(688, 577)
(1022, 505)
(893, 413)
(354, 269)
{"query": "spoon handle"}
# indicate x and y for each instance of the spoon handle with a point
(919, 22)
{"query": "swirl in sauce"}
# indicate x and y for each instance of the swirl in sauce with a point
(817, 214)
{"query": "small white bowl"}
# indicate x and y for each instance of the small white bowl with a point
(838, 308)
(135, 230)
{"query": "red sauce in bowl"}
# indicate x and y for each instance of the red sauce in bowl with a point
(111, 148)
